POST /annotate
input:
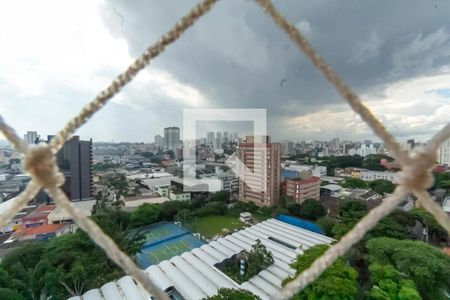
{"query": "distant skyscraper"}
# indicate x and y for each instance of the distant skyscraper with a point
(263, 160)
(217, 145)
(75, 161)
(226, 137)
(31, 137)
(334, 144)
(172, 139)
(159, 140)
(219, 136)
(210, 137)
(444, 153)
(287, 148)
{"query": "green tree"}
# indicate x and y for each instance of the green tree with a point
(221, 196)
(170, 209)
(388, 283)
(339, 281)
(9, 294)
(311, 209)
(436, 231)
(327, 224)
(350, 213)
(147, 154)
(425, 265)
(354, 183)
(119, 184)
(285, 201)
(145, 214)
(382, 186)
(233, 294)
(258, 259)
(372, 162)
(441, 180)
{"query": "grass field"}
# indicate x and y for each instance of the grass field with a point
(209, 226)
(261, 217)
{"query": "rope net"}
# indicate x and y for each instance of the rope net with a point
(40, 160)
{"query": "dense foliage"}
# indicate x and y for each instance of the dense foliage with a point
(354, 183)
(310, 209)
(69, 264)
(436, 231)
(258, 259)
(339, 281)
(442, 180)
(372, 162)
(232, 294)
(425, 265)
(382, 186)
(388, 283)
(344, 161)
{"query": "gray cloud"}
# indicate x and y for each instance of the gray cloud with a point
(236, 57)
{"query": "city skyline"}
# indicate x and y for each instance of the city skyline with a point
(402, 72)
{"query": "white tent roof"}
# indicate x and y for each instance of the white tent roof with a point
(194, 275)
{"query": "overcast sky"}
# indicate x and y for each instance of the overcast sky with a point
(56, 55)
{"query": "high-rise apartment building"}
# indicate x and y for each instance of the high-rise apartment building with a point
(226, 137)
(210, 137)
(159, 140)
(444, 153)
(287, 148)
(31, 137)
(219, 137)
(263, 159)
(172, 139)
(75, 162)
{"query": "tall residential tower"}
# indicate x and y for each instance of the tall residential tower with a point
(263, 160)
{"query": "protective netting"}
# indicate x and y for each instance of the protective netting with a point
(40, 160)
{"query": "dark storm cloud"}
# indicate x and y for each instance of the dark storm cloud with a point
(237, 57)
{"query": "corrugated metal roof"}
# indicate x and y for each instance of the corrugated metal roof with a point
(194, 276)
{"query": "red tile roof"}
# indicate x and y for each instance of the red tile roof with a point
(42, 211)
(299, 180)
(48, 228)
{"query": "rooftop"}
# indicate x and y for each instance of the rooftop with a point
(47, 228)
(41, 211)
(312, 179)
(193, 274)
(60, 214)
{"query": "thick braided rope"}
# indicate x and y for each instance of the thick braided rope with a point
(18, 203)
(12, 136)
(426, 202)
(40, 164)
(345, 243)
(439, 138)
(416, 177)
(343, 89)
(108, 245)
(140, 63)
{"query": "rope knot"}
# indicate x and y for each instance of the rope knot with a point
(416, 175)
(41, 163)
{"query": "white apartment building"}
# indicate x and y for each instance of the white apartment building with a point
(368, 175)
(366, 150)
(444, 153)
